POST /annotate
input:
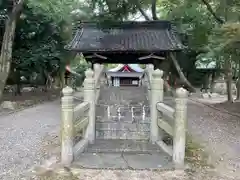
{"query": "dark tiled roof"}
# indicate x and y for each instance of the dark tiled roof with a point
(125, 36)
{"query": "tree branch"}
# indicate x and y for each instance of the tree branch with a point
(17, 7)
(210, 9)
(154, 12)
(139, 7)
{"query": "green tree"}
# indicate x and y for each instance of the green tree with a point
(59, 16)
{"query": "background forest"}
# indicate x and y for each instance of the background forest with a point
(33, 35)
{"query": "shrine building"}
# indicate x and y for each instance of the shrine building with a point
(125, 75)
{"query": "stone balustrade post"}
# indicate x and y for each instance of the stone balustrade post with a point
(179, 136)
(102, 66)
(97, 69)
(109, 80)
(102, 80)
(145, 79)
(150, 69)
(156, 96)
(67, 126)
(89, 96)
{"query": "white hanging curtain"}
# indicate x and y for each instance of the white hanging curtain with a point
(116, 82)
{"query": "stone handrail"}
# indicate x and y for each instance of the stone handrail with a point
(167, 119)
(80, 120)
(79, 110)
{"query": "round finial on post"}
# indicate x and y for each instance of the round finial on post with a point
(89, 73)
(157, 73)
(181, 93)
(151, 66)
(96, 66)
(67, 91)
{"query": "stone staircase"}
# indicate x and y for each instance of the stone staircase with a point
(122, 136)
(123, 113)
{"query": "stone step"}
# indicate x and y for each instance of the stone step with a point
(134, 146)
(122, 126)
(122, 119)
(120, 134)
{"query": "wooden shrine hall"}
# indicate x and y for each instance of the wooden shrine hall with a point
(125, 75)
(126, 42)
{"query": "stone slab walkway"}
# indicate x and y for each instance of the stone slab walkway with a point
(21, 138)
(123, 154)
(124, 160)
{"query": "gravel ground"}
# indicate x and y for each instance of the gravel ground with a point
(21, 138)
(139, 175)
(219, 133)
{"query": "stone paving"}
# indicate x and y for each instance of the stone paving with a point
(123, 154)
(123, 160)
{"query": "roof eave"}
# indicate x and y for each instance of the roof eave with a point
(124, 51)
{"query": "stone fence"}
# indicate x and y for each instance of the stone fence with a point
(165, 118)
(78, 123)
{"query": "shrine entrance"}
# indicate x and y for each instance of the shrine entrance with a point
(116, 110)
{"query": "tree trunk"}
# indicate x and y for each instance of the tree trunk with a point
(181, 75)
(212, 82)
(228, 75)
(238, 82)
(7, 43)
(6, 53)
(154, 11)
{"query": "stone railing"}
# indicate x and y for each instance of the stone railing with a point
(167, 119)
(79, 122)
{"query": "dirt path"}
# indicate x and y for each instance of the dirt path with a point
(219, 133)
(21, 138)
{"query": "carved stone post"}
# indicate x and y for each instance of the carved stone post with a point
(97, 69)
(179, 136)
(145, 78)
(109, 80)
(89, 96)
(67, 126)
(150, 69)
(156, 96)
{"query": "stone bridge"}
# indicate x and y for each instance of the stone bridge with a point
(130, 123)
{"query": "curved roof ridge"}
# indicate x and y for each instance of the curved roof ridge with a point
(134, 67)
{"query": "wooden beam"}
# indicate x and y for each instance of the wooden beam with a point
(151, 56)
(97, 55)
